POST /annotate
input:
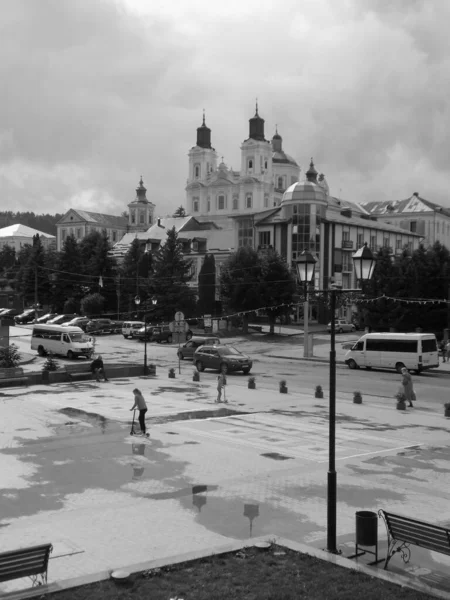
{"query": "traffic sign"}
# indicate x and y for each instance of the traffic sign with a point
(180, 327)
(179, 316)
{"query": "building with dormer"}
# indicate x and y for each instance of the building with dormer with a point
(80, 223)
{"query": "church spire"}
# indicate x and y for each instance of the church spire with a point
(311, 173)
(141, 192)
(257, 126)
(204, 134)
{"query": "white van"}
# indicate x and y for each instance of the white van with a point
(57, 339)
(415, 351)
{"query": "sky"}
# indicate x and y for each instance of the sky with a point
(96, 93)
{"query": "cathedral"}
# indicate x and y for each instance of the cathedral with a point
(218, 193)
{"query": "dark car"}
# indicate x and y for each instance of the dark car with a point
(46, 317)
(9, 313)
(142, 332)
(187, 350)
(26, 317)
(62, 318)
(163, 333)
(222, 358)
(99, 326)
(81, 322)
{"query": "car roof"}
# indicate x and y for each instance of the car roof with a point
(197, 338)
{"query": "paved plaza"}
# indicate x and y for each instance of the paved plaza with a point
(209, 474)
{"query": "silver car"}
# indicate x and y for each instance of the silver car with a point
(341, 326)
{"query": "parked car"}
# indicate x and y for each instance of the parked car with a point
(46, 317)
(222, 358)
(60, 319)
(187, 350)
(80, 322)
(162, 333)
(142, 332)
(130, 328)
(9, 313)
(341, 326)
(99, 326)
(26, 317)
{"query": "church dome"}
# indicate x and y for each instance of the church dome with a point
(308, 192)
(283, 158)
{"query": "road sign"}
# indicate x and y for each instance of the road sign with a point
(179, 316)
(180, 327)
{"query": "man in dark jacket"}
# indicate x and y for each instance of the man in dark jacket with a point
(98, 369)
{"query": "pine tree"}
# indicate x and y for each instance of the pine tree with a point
(69, 274)
(207, 286)
(100, 268)
(277, 286)
(169, 283)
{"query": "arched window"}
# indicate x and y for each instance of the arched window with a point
(235, 203)
(266, 201)
(248, 201)
(197, 171)
(221, 202)
(133, 217)
(208, 203)
(195, 204)
(141, 218)
(265, 165)
(280, 183)
(250, 164)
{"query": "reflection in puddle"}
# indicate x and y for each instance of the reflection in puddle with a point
(197, 414)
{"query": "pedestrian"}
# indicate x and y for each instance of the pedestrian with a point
(407, 384)
(221, 383)
(447, 350)
(442, 350)
(140, 404)
(98, 369)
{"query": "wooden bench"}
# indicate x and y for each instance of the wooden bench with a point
(13, 375)
(403, 532)
(81, 370)
(27, 562)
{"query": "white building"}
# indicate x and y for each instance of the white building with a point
(17, 236)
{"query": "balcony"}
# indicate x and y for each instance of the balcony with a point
(347, 244)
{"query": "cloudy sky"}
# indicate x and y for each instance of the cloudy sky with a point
(97, 92)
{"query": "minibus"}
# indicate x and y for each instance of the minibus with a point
(415, 351)
(65, 341)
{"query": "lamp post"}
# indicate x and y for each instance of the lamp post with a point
(306, 264)
(137, 301)
(364, 263)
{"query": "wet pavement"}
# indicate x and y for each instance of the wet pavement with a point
(72, 474)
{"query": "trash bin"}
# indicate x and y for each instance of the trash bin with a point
(366, 528)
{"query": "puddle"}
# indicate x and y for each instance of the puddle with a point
(93, 419)
(276, 456)
(197, 414)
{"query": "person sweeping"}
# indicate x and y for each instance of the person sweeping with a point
(141, 405)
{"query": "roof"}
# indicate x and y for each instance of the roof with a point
(368, 224)
(99, 218)
(305, 191)
(22, 231)
(282, 157)
(414, 204)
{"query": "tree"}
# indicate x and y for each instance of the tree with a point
(240, 282)
(180, 212)
(68, 276)
(207, 286)
(276, 287)
(32, 278)
(9, 356)
(134, 273)
(169, 284)
(7, 258)
(100, 267)
(92, 304)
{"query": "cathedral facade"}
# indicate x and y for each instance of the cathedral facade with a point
(218, 193)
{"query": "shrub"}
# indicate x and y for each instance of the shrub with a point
(400, 397)
(283, 383)
(9, 356)
(251, 379)
(50, 364)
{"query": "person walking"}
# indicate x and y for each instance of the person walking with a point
(98, 369)
(141, 405)
(447, 351)
(408, 388)
(221, 383)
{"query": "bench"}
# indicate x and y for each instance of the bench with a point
(81, 370)
(403, 531)
(27, 562)
(13, 375)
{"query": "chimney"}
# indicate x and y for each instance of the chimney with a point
(159, 223)
(416, 194)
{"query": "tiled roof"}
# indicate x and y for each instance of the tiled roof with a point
(368, 223)
(22, 231)
(414, 204)
(106, 221)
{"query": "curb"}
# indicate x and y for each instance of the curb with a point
(338, 560)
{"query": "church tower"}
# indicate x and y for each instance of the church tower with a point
(202, 156)
(140, 210)
(256, 151)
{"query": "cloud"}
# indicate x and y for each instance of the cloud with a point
(98, 92)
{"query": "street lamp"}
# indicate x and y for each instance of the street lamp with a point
(364, 262)
(137, 301)
(306, 264)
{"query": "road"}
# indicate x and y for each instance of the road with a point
(431, 388)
